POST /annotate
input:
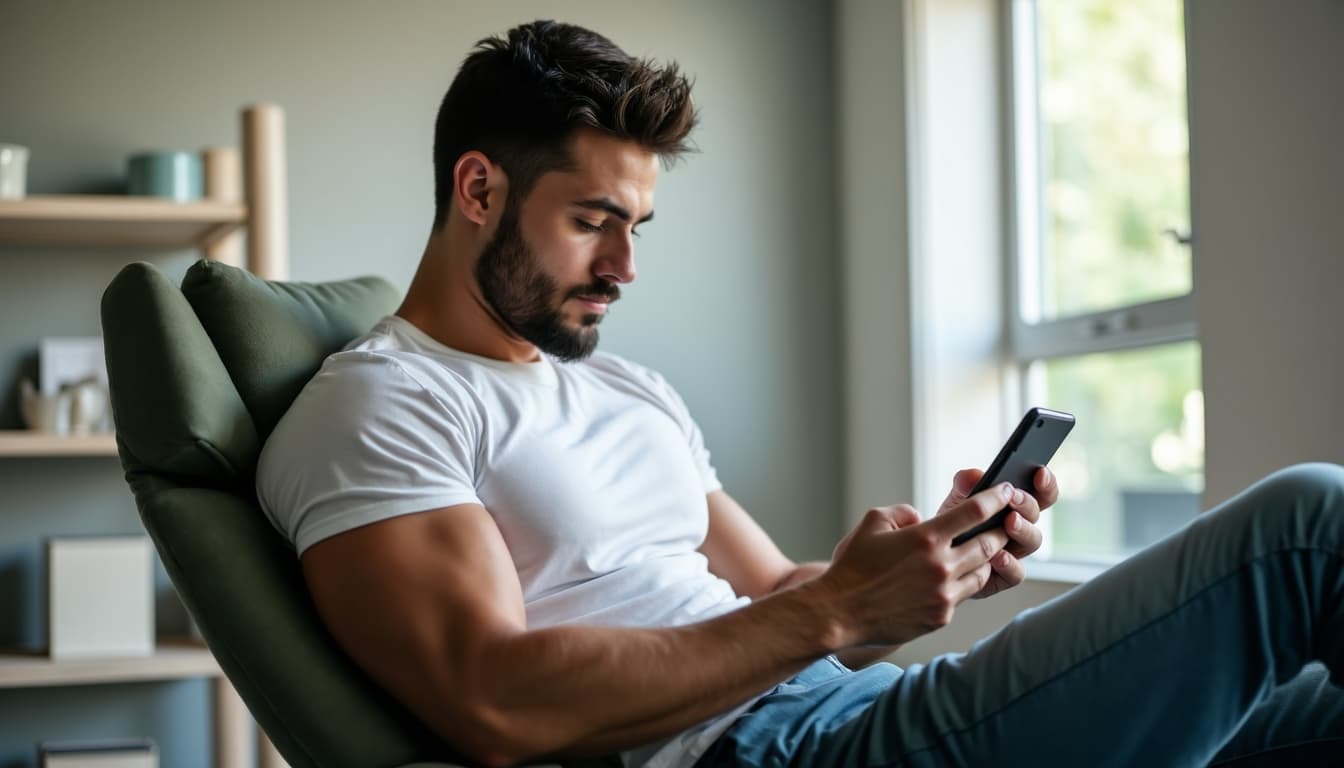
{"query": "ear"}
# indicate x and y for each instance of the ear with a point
(478, 184)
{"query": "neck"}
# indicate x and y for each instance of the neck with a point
(445, 302)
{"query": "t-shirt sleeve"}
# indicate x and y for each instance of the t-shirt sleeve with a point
(676, 408)
(366, 442)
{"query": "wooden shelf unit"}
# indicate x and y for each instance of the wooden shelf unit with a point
(19, 443)
(116, 221)
(172, 660)
(250, 197)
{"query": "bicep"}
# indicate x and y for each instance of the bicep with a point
(414, 599)
(740, 551)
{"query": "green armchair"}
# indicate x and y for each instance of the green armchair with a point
(199, 377)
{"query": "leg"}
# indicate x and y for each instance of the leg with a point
(1158, 661)
(1300, 723)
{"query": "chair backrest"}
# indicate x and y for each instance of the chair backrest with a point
(199, 377)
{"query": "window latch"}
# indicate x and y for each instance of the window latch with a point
(1182, 237)
(1113, 323)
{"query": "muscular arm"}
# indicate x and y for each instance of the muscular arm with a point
(429, 604)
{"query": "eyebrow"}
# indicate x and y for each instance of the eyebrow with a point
(606, 204)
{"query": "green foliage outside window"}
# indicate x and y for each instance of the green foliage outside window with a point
(1115, 177)
(1116, 154)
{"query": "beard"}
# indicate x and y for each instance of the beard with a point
(528, 301)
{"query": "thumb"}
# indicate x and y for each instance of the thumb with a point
(880, 519)
(963, 482)
(904, 514)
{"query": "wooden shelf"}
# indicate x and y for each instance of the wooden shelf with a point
(172, 660)
(109, 220)
(20, 443)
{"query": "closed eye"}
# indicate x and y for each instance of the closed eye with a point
(587, 226)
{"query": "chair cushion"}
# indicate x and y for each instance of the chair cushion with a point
(175, 409)
(273, 336)
(244, 587)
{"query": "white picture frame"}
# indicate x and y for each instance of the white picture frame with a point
(63, 360)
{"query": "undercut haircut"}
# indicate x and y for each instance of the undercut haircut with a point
(519, 99)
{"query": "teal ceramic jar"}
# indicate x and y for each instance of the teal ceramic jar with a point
(174, 175)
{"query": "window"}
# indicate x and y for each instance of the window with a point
(1102, 316)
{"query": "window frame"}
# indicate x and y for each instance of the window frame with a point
(1139, 325)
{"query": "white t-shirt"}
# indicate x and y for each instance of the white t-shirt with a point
(594, 472)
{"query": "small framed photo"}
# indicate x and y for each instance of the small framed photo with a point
(64, 360)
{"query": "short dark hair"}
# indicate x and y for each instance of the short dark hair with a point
(519, 99)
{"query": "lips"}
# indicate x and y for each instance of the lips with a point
(595, 303)
(595, 297)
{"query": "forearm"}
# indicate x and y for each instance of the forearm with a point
(591, 690)
(854, 658)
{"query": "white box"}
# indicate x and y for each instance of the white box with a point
(107, 753)
(100, 597)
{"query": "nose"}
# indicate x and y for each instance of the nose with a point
(617, 261)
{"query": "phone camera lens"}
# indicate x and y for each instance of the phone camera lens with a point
(1040, 423)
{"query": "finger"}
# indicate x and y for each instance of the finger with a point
(962, 483)
(972, 583)
(1026, 505)
(1025, 538)
(978, 551)
(972, 511)
(1008, 568)
(1047, 488)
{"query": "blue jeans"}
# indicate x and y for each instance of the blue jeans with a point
(1201, 650)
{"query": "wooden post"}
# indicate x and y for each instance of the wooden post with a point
(267, 249)
(224, 183)
(233, 737)
(267, 208)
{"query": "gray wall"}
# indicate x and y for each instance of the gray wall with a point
(1267, 193)
(736, 301)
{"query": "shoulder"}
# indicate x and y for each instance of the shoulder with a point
(390, 363)
(364, 426)
(361, 384)
(369, 394)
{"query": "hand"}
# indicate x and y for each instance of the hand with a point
(894, 578)
(1020, 525)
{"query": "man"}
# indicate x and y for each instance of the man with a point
(525, 541)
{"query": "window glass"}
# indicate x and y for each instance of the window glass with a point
(1132, 470)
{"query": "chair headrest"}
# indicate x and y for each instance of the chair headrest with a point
(273, 336)
(200, 376)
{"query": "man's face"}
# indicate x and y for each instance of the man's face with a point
(555, 262)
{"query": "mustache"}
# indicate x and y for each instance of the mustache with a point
(601, 289)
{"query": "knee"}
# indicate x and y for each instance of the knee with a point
(1312, 486)
(1299, 506)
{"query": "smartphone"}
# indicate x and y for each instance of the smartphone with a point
(1030, 447)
